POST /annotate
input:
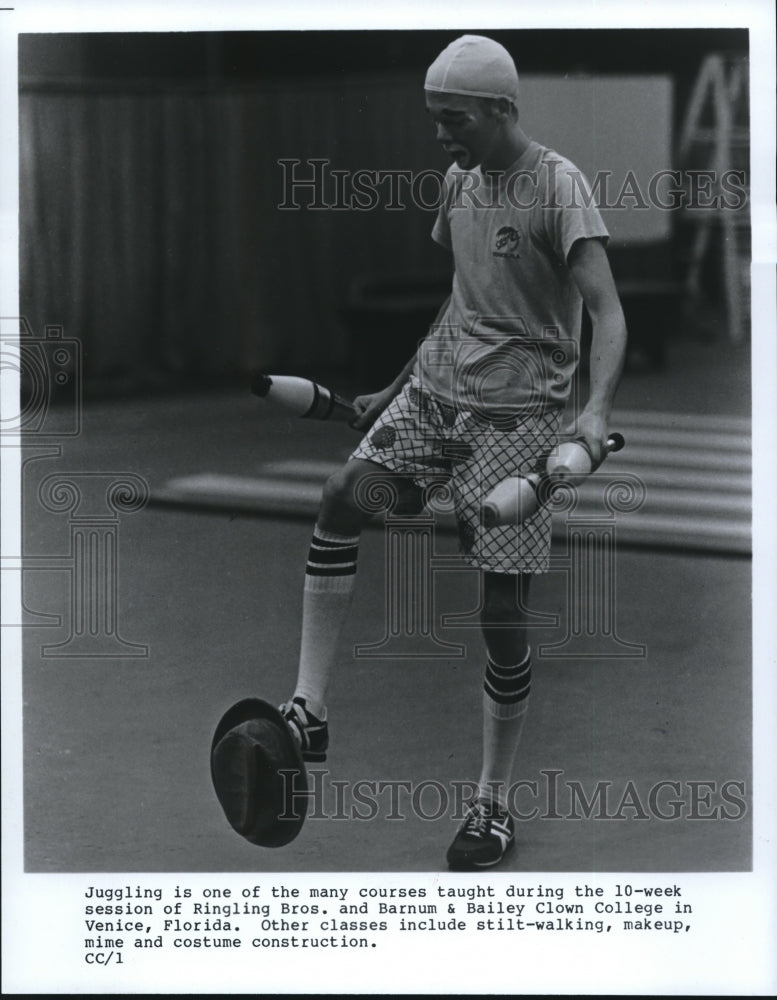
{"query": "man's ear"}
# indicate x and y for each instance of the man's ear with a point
(504, 108)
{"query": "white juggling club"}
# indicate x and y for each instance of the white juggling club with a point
(516, 498)
(302, 397)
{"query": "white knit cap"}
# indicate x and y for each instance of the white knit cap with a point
(476, 67)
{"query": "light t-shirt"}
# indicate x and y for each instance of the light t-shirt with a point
(509, 339)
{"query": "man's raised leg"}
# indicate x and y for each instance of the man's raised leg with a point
(329, 584)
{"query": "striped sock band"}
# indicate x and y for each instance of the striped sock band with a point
(506, 689)
(505, 704)
(331, 562)
(329, 582)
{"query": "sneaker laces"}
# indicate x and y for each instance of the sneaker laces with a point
(296, 717)
(477, 821)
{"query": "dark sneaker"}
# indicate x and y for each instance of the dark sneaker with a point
(483, 839)
(311, 733)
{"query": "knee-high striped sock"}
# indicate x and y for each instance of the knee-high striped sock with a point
(329, 581)
(505, 702)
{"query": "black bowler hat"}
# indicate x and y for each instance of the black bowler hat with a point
(251, 746)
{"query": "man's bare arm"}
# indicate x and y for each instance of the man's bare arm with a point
(591, 271)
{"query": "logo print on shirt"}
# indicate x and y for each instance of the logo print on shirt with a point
(506, 242)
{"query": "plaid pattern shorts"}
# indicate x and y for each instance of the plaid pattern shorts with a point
(420, 438)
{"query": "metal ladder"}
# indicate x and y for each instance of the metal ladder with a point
(716, 122)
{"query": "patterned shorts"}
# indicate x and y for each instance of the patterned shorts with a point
(423, 439)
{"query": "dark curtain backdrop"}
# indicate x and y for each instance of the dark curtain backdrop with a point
(150, 228)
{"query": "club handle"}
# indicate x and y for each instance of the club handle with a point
(260, 385)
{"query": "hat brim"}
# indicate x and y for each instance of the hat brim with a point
(258, 773)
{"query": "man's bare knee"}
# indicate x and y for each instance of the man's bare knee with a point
(347, 494)
(505, 598)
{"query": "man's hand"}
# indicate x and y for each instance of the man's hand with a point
(369, 408)
(591, 427)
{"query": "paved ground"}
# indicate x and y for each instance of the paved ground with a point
(116, 749)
